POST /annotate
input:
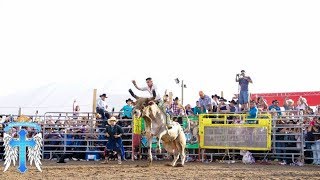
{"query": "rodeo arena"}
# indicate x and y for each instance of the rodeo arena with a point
(251, 136)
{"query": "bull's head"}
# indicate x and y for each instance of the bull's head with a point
(141, 103)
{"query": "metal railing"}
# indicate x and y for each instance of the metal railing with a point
(294, 136)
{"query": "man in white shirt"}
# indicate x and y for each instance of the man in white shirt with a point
(102, 108)
(150, 87)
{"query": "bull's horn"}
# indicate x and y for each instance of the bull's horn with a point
(133, 95)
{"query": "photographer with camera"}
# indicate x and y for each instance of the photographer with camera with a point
(244, 90)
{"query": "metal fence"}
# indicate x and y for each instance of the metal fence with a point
(295, 137)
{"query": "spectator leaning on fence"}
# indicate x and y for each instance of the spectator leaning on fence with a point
(253, 113)
(189, 110)
(275, 105)
(288, 105)
(232, 106)
(262, 104)
(222, 106)
(205, 102)
(197, 109)
(302, 104)
(176, 107)
(244, 89)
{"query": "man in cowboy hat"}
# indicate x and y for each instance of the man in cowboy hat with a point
(215, 102)
(102, 109)
(232, 106)
(222, 106)
(127, 109)
(113, 133)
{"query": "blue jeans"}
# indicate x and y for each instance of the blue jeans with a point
(116, 145)
(243, 97)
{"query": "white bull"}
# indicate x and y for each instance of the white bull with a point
(173, 139)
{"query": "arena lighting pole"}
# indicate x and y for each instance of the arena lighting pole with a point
(182, 92)
(182, 87)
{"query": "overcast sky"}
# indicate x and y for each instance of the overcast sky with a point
(106, 44)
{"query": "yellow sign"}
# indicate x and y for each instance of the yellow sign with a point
(232, 131)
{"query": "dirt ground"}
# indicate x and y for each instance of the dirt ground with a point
(129, 170)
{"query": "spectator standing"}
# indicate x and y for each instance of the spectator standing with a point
(243, 81)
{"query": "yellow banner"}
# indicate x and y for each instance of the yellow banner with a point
(137, 125)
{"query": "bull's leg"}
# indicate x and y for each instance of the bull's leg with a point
(149, 151)
(159, 140)
(183, 156)
(176, 157)
(181, 145)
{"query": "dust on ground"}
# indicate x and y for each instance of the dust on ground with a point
(132, 170)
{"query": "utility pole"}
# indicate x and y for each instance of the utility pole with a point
(182, 87)
(20, 111)
(94, 101)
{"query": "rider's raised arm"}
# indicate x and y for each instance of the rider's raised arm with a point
(135, 85)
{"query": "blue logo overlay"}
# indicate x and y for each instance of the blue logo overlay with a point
(22, 146)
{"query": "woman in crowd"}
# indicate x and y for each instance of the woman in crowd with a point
(189, 111)
(222, 106)
(262, 104)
